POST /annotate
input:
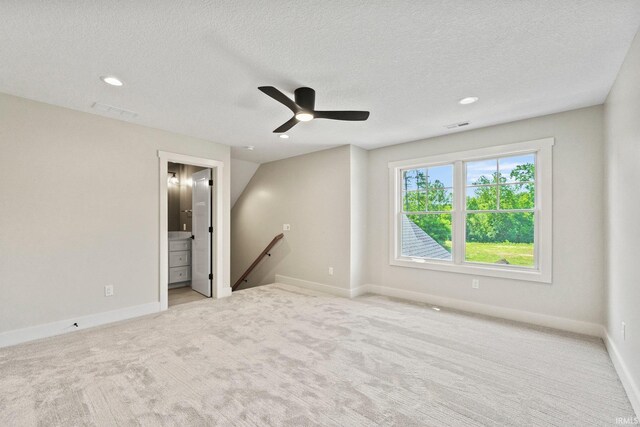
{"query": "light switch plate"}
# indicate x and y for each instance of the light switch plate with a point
(286, 227)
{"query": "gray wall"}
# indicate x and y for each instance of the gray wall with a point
(622, 123)
(80, 210)
(310, 192)
(241, 173)
(577, 289)
(335, 223)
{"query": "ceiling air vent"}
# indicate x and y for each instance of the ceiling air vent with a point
(114, 111)
(457, 125)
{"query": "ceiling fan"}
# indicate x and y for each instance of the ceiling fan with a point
(303, 108)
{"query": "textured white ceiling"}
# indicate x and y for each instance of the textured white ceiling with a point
(193, 67)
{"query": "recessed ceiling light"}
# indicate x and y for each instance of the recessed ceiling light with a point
(304, 117)
(250, 147)
(111, 80)
(284, 136)
(468, 100)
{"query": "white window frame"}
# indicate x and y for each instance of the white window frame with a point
(541, 272)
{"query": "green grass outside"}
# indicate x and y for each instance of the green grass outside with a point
(514, 253)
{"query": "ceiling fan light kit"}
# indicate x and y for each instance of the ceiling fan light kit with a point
(303, 108)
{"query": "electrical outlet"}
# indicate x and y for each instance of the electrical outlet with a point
(286, 227)
(330, 271)
(475, 284)
(108, 291)
(623, 329)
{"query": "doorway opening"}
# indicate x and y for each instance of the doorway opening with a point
(190, 229)
(190, 232)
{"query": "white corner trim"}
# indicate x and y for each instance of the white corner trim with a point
(225, 291)
(360, 290)
(59, 327)
(313, 286)
(630, 386)
(570, 325)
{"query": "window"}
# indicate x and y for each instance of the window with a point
(484, 212)
(500, 211)
(426, 212)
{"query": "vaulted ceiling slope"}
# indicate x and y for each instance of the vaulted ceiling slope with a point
(193, 67)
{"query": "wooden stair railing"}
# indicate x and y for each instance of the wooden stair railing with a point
(257, 261)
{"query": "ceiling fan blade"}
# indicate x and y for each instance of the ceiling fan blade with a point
(288, 125)
(341, 115)
(280, 97)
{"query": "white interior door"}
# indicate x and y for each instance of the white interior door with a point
(201, 223)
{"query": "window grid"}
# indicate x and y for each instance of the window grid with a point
(498, 184)
(459, 222)
(424, 191)
(426, 188)
(499, 210)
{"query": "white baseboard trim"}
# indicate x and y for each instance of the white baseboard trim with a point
(225, 292)
(59, 327)
(630, 386)
(360, 290)
(561, 323)
(554, 322)
(314, 286)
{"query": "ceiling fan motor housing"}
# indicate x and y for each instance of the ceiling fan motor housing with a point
(306, 98)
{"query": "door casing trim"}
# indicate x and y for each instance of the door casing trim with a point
(217, 166)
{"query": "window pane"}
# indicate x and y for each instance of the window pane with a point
(517, 196)
(482, 198)
(414, 201)
(517, 168)
(500, 238)
(414, 179)
(439, 200)
(426, 236)
(482, 172)
(440, 177)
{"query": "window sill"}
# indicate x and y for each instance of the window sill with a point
(475, 269)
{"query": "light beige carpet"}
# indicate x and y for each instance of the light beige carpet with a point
(282, 356)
